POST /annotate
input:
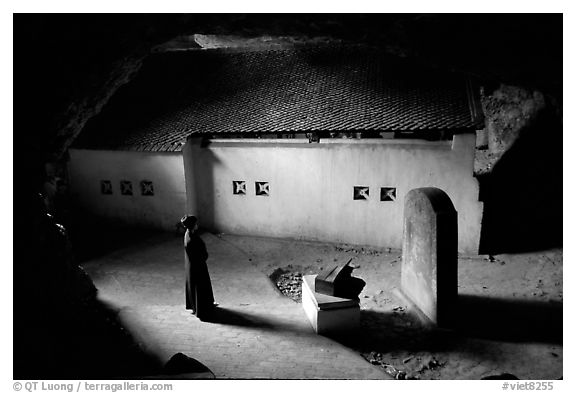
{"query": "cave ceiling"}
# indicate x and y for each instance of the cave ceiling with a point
(67, 66)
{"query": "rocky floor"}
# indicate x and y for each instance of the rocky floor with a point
(509, 313)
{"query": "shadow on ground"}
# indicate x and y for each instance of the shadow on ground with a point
(249, 320)
(387, 332)
(478, 317)
(79, 341)
(89, 341)
(509, 319)
(231, 317)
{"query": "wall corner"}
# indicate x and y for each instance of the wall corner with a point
(188, 161)
(464, 143)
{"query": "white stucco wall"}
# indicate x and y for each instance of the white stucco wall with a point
(163, 210)
(311, 187)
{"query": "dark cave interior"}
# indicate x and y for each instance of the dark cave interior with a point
(67, 66)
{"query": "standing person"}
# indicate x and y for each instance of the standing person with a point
(199, 296)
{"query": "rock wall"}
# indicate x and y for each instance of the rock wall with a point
(508, 110)
(522, 185)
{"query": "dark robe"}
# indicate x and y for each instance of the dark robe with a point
(199, 296)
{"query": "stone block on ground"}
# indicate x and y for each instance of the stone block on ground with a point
(328, 314)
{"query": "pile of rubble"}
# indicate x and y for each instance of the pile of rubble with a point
(290, 284)
(363, 251)
(414, 372)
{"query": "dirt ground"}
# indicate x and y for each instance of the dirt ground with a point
(509, 316)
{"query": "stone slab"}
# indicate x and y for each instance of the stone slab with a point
(328, 314)
(323, 301)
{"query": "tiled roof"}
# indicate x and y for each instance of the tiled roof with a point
(296, 90)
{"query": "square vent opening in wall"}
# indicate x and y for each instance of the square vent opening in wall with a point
(239, 187)
(106, 187)
(388, 194)
(147, 188)
(361, 193)
(262, 188)
(126, 187)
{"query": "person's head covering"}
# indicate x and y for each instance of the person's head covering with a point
(189, 221)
